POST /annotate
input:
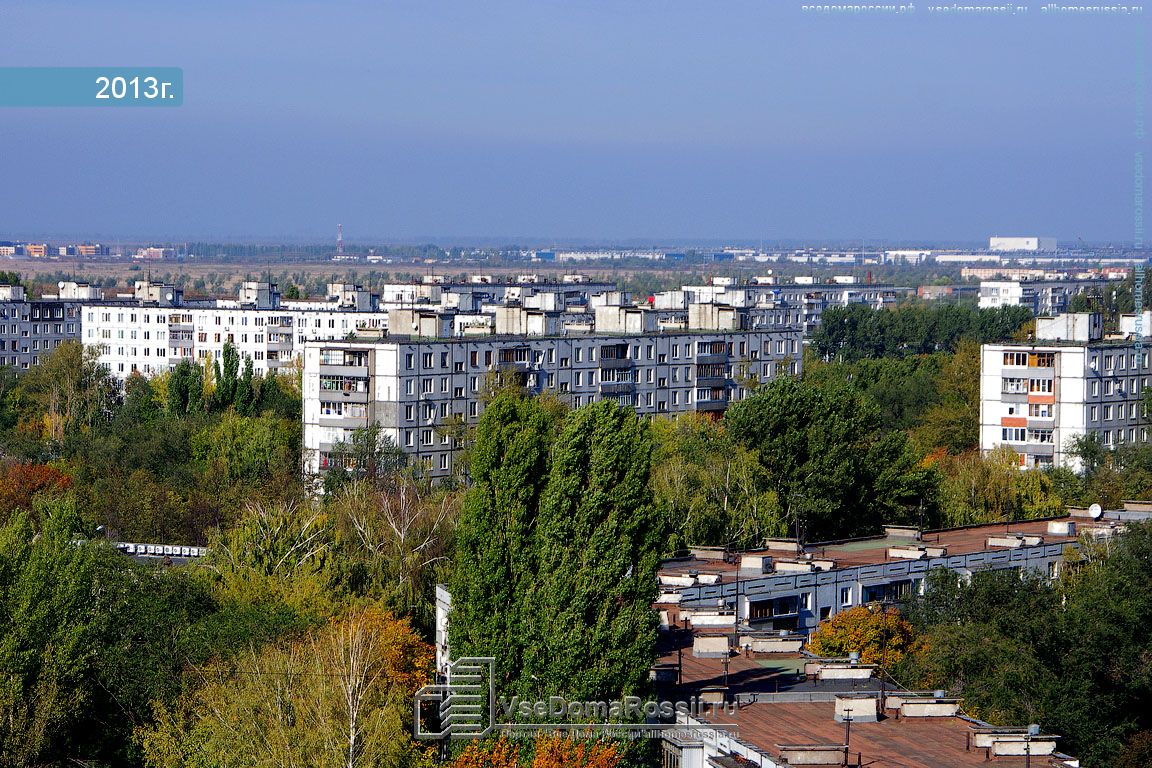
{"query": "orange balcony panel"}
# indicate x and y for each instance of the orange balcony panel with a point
(1014, 421)
(1049, 399)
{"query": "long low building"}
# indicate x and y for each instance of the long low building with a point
(413, 386)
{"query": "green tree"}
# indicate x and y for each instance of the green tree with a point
(496, 562)
(68, 393)
(711, 489)
(226, 370)
(243, 448)
(832, 471)
(598, 539)
(245, 399)
(341, 696)
(185, 389)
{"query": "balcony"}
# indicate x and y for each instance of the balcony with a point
(712, 358)
(616, 363)
(617, 387)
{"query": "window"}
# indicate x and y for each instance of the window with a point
(1040, 385)
(1040, 436)
(1040, 410)
(1013, 386)
(1012, 434)
(1016, 358)
(845, 596)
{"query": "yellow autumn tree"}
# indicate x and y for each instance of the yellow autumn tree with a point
(339, 698)
(880, 636)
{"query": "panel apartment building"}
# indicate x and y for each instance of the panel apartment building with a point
(432, 368)
(153, 329)
(1037, 397)
(30, 328)
(803, 302)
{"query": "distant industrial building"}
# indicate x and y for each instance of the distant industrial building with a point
(1035, 243)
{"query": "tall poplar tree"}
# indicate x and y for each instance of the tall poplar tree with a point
(598, 540)
(496, 555)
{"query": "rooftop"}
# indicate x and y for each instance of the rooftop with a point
(892, 742)
(897, 544)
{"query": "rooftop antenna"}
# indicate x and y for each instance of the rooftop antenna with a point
(339, 239)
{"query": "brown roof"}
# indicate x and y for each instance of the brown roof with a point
(920, 742)
(874, 551)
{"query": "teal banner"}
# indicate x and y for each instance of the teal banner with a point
(91, 86)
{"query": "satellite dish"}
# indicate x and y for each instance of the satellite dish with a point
(60, 285)
(1095, 511)
(168, 297)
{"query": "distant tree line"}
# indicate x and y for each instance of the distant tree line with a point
(857, 331)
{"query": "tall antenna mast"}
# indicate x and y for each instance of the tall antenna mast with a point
(339, 239)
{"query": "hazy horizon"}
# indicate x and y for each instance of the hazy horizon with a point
(659, 121)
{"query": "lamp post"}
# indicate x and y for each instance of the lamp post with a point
(1033, 731)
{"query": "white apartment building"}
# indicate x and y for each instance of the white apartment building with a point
(413, 385)
(31, 328)
(1043, 297)
(1037, 397)
(154, 329)
(801, 303)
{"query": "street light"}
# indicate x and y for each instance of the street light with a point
(847, 732)
(1033, 732)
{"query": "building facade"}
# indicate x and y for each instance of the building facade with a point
(416, 386)
(1039, 397)
(1043, 297)
(32, 328)
(152, 330)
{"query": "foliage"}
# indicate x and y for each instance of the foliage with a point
(369, 455)
(857, 331)
(245, 448)
(880, 635)
(991, 488)
(88, 640)
(546, 751)
(712, 490)
(557, 549)
(1072, 655)
(70, 391)
(597, 545)
(22, 484)
(834, 474)
(394, 542)
(495, 553)
(339, 696)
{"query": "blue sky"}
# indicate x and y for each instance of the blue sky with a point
(659, 120)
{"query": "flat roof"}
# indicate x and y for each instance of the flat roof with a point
(874, 550)
(908, 742)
